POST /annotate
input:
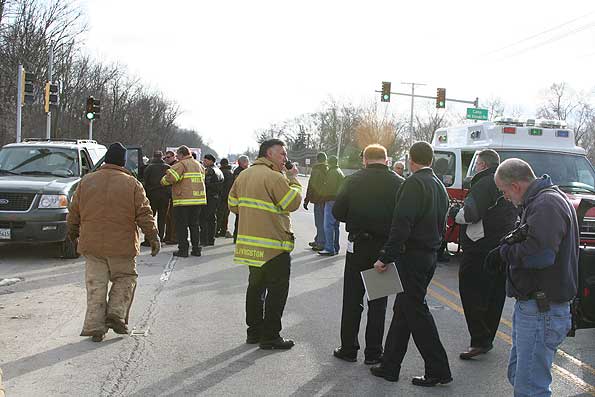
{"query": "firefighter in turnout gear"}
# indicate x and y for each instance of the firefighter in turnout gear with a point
(188, 194)
(264, 195)
(107, 209)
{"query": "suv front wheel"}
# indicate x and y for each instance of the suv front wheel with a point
(68, 249)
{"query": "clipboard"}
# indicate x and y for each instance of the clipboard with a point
(379, 285)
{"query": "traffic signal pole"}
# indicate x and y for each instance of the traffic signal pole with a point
(20, 95)
(90, 129)
(48, 125)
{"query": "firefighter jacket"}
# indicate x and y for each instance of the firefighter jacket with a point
(188, 179)
(263, 197)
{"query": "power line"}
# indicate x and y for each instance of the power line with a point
(539, 34)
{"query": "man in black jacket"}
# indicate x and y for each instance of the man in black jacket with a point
(416, 233)
(314, 194)
(158, 195)
(223, 209)
(365, 203)
(208, 216)
(486, 217)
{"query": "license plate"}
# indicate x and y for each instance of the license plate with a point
(4, 234)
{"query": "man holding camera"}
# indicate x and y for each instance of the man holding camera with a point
(485, 218)
(541, 261)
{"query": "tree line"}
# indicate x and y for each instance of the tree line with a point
(351, 127)
(131, 112)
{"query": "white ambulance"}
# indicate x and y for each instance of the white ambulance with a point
(547, 145)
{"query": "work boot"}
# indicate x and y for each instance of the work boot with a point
(97, 337)
(181, 254)
(196, 251)
(280, 344)
(228, 234)
(117, 325)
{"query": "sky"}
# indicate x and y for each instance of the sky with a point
(235, 66)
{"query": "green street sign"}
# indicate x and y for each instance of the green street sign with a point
(477, 114)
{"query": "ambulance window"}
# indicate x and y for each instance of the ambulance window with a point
(444, 167)
(466, 158)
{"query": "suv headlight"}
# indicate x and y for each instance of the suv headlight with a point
(53, 201)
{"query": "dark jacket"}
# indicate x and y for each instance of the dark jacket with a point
(366, 201)
(419, 220)
(547, 259)
(315, 192)
(228, 179)
(237, 172)
(153, 175)
(485, 202)
(214, 181)
(334, 180)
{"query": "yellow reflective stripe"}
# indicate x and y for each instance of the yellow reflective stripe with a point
(289, 197)
(265, 242)
(296, 187)
(249, 262)
(193, 175)
(232, 201)
(190, 201)
(164, 181)
(174, 174)
(196, 193)
(259, 205)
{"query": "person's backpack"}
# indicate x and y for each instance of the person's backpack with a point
(583, 306)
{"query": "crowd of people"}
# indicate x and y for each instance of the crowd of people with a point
(520, 239)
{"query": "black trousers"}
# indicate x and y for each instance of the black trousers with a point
(222, 216)
(186, 217)
(268, 287)
(482, 296)
(235, 228)
(160, 207)
(412, 317)
(363, 258)
(208, 221)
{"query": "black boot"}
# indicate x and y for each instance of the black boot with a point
(181, 254)
(196, 251)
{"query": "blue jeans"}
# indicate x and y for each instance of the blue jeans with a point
(331, 229)
(319, 222)
(535, 338)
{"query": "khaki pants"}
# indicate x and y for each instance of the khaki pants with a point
(121, 271)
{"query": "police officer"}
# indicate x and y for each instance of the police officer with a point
(542, 261)
(264, 195)
(485, 218)
(416, 232)
(214, 184)
(366, 204)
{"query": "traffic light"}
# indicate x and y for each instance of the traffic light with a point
(28, 88)
(385, 96)
(441, 98)
(93, 108)
(51, 96)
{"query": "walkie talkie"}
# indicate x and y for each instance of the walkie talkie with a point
(288, 165)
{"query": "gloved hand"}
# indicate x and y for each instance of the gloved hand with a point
(454, 210)
(493, 263)
(306, 205)
(155, 247)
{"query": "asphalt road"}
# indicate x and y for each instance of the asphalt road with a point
(189, 316)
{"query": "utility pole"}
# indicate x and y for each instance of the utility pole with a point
(19, 100)
(48, 126)
(411, 116)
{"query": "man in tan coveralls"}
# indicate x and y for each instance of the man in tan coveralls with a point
(107, 209)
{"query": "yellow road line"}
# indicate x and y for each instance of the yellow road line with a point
(506, 338)
(504, 321)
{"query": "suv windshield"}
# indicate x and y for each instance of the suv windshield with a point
(569, 171)
(39, 161)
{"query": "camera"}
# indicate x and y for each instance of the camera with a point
(454, 210)
(517, 235)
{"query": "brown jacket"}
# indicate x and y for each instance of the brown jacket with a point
(108, 207)
(263, 197)
(188, 179)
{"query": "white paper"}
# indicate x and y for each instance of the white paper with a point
(379, 285)
(350, 247)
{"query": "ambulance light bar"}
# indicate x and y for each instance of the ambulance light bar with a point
(562, 133)
(535, 132)
(509, 130)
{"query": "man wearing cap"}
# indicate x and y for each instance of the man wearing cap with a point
(208, 216)
(107, 209)
(188, 195)
(223, 209)
(159, 195)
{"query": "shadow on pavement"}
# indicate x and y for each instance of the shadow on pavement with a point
(51, 357)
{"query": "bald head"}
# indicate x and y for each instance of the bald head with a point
(515, 170)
